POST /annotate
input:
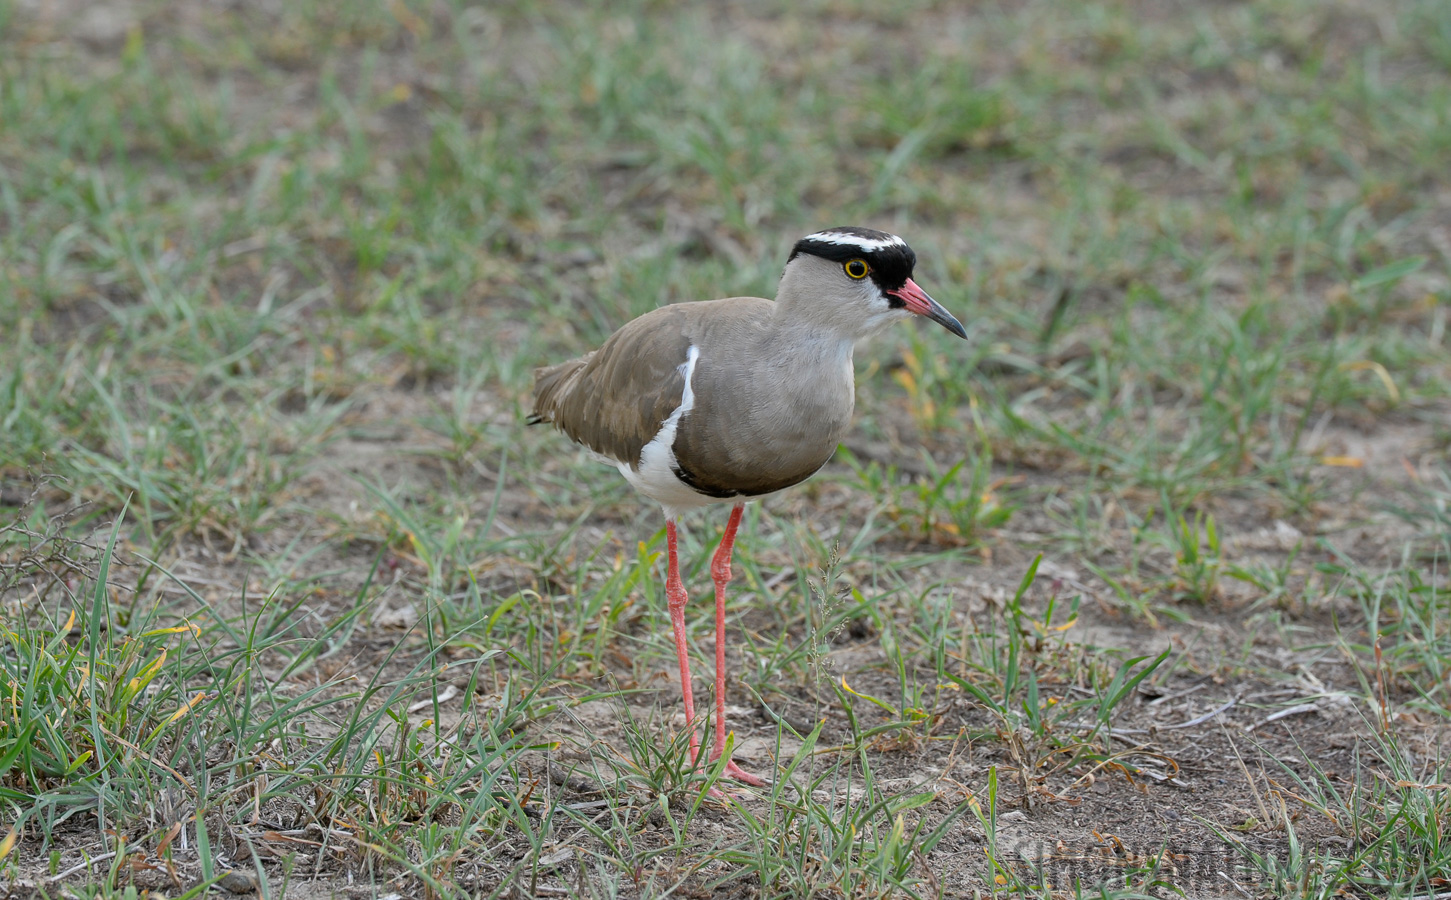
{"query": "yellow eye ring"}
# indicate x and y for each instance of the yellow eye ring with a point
(856, 269)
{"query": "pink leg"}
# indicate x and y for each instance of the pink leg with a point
(720, 573)
(675, 594)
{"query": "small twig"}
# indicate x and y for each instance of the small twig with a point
(151, 759)
(1291, 711)
(1204, 718)
(1234, 885)
(79, 867)
(1249, 779)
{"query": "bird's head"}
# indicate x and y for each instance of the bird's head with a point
(857, 281)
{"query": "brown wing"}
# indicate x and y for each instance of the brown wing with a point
(614, 399)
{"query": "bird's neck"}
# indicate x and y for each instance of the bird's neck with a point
(812, 302)
(807, 338)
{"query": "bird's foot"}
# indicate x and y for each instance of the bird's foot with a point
(736, 773)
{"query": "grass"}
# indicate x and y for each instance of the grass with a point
(1392, 827)
(290, 594)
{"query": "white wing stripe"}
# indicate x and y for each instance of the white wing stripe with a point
(655, 476)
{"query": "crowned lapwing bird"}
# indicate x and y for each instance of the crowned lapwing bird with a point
(734, 400)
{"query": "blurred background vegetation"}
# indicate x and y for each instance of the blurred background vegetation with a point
(274, 278)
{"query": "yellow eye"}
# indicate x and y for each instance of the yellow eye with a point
(856, 269)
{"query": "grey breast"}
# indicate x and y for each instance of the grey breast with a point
(768, 410)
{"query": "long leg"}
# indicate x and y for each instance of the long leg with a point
(720, 573)
(675, 595)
